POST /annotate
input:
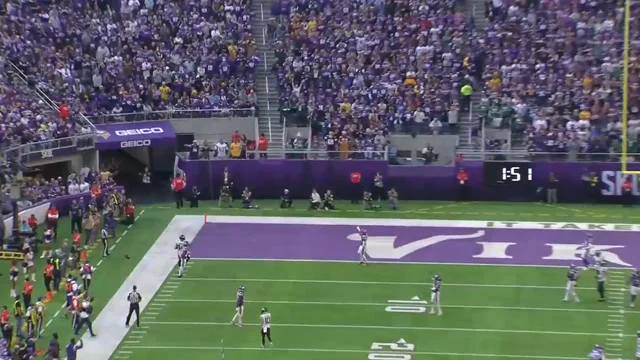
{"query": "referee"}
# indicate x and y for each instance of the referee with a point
(105, 241)
(134, 306)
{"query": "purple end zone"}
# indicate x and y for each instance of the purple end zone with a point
(410, 244)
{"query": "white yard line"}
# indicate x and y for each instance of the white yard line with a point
(390, 283)
(385, 327)
(353, 351)
(329, 303)
(616, 322)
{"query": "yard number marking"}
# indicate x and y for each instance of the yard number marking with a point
(414, 306)
(401, 346)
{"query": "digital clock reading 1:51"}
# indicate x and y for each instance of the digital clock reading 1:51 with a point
(505, 173)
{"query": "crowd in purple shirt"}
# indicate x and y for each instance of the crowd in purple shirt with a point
(135, 55)
(24, 118)
(554, 73)
(379, 65)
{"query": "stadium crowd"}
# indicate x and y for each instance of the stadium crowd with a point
(360, 67)
(554, 73)
(143, 56)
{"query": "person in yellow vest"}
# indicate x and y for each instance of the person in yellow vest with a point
(465, 94)
(235, 150)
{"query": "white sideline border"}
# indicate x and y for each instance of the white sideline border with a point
(149, 275)
(156, 265)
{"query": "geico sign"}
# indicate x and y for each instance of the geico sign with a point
(135, 143)
(143, 131)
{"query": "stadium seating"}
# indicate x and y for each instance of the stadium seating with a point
(553, 73)
(375, 65)
(146, 56)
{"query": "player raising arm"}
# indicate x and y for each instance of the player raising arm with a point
(572, 281)
(265, 326)
(237, 318)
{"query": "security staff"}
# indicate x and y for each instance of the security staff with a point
(134, 306)
(594, 186)
(463, 183)
(18, 313)
(627, 192)
(177, 185)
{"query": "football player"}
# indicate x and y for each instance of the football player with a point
(638, 347)
(180, 244)
(435, 296)
(634, 282)
(265, 325)
(237, 318)
(597, 353)
(362, 249)
(601, 277)
(587, 247)
(14, 272)
(572, 281)
(184, 256)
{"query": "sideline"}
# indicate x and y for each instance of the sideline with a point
(89, 252)
(148, 275)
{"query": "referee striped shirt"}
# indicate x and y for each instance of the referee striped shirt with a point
(134, 297)
(105, 233)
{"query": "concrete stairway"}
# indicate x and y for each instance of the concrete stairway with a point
(473, 9)
(268, 114)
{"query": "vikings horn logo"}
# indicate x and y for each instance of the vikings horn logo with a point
(103, 134)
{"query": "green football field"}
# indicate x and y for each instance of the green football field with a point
(329, 310)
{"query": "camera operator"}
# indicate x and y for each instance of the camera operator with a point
(225, 196)
(246, 199)
(328, 201)
(367, 202)
(392, 195)
(195, 197)
(315, 201)
(285, 200)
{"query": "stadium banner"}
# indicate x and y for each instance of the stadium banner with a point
(268, 179)
(62, 203)
(48, 154)
(135, 134)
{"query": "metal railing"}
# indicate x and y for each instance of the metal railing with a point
(171, 114)
(79, 142)
(523, 155)
(298, 155)
(46, 99)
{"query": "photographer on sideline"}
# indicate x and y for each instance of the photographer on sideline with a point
(285, 200)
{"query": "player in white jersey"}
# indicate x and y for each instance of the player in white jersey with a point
(265, 326)
(435, 296)
(362, 249)
(587, 248)
(572, 281)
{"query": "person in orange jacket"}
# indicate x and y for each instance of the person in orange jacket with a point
(263, 144)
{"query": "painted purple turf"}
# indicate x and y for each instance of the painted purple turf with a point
(322, 242)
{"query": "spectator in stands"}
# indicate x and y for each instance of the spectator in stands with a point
(375, 65)
(159, 55)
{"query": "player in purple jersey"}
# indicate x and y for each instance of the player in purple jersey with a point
(435, 295)
(634, 283)
(237, 318)
(587, 248)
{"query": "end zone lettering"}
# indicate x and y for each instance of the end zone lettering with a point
(612, 183)
(135, 143)
(143, 131)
